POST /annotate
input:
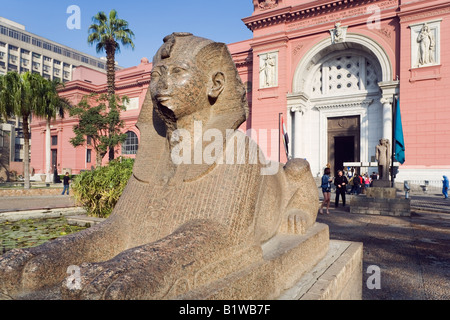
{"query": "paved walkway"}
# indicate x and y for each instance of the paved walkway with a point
(10, 204)
(413, 253)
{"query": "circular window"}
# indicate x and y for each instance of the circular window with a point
(339, 67)
(349, 85)
(349, 75)
(349, 66)
(339, 76)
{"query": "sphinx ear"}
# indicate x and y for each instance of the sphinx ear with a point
(218, 84)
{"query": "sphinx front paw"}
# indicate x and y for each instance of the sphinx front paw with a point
(294, 223)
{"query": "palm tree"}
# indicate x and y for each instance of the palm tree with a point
(50, 106)
(20, 96)
(6, 105)
(108, 33)
(6, 111)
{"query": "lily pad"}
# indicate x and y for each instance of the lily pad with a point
(29, 233)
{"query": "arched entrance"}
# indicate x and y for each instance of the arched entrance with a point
(336, 110)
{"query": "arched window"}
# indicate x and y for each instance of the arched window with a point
(346, 74)
(130, 146)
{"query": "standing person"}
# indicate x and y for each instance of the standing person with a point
(356, 189)
(326, 190)
(373, 177)
(350, 185)
(66, 181)
(341, 184)
(445, 187)
(366, 181)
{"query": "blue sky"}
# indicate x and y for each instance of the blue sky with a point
(150, 20)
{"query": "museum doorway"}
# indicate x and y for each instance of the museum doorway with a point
(343, 141)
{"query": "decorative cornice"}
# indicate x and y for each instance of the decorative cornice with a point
(243, 62)
(424, 13)
(345, 104)
(290, 14)
(86, 87)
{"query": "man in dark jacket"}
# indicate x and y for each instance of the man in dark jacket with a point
(66, 183)
(341, 184)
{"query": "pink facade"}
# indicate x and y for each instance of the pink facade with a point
(332, 69)
(132, 82)
(425, 91)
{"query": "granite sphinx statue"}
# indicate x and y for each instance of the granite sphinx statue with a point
(185, 228)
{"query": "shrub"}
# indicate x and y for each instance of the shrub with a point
(99, 190)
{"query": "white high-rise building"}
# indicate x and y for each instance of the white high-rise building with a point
(23, 51)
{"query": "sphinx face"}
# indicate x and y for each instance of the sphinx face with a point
(178, 88)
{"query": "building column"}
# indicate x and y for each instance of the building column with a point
(298, 104)
(388, 89)
(387, 119)
(298, 119)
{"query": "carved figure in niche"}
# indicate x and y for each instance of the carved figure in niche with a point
(267, 71)
(426, 45)
(177, 227)
(267, 4)
(383, 156)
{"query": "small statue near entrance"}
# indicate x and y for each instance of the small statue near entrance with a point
(383, 156)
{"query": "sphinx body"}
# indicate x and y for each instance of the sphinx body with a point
(178, 227)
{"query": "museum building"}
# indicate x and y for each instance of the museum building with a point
(332, 70)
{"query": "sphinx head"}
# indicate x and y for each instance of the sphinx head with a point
(193, 75)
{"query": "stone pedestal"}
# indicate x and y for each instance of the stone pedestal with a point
(380, 201)
(306, 267)
(381, 193)
(381, 184)
(338, 276)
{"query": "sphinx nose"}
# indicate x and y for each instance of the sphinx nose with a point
(164, 83)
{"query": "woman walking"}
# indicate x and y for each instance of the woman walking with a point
(326, 190)
(445, 187)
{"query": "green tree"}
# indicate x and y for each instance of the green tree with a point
(103, 126)
(6, 111)
(108, 33)
(7, 83)
(49, 107)
(20, 97)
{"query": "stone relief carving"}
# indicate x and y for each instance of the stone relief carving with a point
(268, 70)
(338, 34)
(267, 4)
(297, 49)
(426, 45)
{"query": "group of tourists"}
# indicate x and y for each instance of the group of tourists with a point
(356, 183)
(348, 183)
